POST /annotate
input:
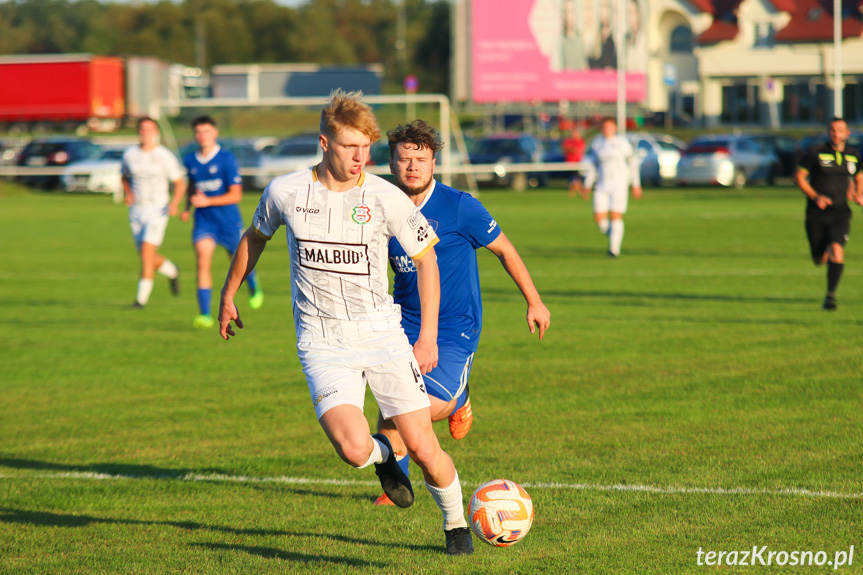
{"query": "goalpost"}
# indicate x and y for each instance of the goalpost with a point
(282, 117)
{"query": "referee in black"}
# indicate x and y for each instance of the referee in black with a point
(830, 174)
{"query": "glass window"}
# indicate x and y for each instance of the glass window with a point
(823, 103)
(852, 101)
(681, 40)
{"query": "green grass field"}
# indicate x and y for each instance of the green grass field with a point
(689, 395)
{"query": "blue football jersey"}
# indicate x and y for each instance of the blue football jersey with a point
(463, 225)
(214, 177)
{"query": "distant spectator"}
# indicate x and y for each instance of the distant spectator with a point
(573, 151)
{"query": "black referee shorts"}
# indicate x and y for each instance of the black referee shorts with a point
(827, 227)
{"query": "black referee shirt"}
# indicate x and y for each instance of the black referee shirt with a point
(830, 171)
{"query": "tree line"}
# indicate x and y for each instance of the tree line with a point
(208, 32)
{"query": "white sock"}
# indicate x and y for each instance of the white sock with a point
(168, 269)
(615, 237)
(377, 456)
(449, 499)
(145, 287)
(603, 226)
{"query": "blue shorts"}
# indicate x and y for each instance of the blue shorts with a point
(221, 227)
(449, 379)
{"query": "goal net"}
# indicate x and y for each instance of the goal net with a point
(260, 131)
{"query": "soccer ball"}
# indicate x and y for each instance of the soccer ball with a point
(500, 512)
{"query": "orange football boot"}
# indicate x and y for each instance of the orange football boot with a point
(460, 421)
(383, 500)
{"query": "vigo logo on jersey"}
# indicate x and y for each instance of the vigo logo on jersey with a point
(334, 257)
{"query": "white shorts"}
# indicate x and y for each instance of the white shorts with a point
(610, 199)
(337, 372)
(148, 225)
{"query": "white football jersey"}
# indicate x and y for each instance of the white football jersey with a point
(150, 174)
(338, 247)
(614, 163)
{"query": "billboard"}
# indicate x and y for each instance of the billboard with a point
(551, 50)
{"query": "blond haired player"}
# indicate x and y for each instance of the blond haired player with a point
(148, 168)
(338, 221)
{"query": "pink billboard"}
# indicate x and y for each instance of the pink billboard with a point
(551, 50)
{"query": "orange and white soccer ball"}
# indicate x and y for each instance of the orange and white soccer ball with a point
(501, 512)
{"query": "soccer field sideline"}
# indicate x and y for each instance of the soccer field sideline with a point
(222, 478)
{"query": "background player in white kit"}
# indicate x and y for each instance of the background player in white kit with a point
(614, 168)
(147, 170)
(338, 221)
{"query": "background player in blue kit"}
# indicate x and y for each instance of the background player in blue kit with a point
(463, 225)
(215, 191)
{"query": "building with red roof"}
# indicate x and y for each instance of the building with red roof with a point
(760, 62)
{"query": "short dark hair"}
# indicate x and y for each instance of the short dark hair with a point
(837, 119)
(418, 133)
(201, 120)
(146, 119)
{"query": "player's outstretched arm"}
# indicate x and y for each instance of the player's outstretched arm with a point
(245, 258)
(233, 196)
(428, 285)
(538, 315)
(179, 193)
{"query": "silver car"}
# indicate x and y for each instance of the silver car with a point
(100, 175)
(726, 160)
(658, 155)
(289, 155)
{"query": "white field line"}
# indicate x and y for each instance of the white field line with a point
(193, 477)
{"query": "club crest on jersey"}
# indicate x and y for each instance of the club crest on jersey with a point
(361, 214)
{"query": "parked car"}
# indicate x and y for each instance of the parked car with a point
(248, 152)
(8, 153)
(509, 148)
(785, 148)
(100, 175)
(50, 152)
(658, 155)
(726, 160)
(855, 140)
(287, 156)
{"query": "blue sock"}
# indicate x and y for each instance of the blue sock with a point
(252, 282)
(403, 463)
(204, 300)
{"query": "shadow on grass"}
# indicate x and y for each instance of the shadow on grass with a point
(631, 295)
(53, 519)
(150, 472)
(270, 553)
(114, 469)
(601, 252)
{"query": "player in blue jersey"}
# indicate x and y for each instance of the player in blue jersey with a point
(215, 191)
(463, 225)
